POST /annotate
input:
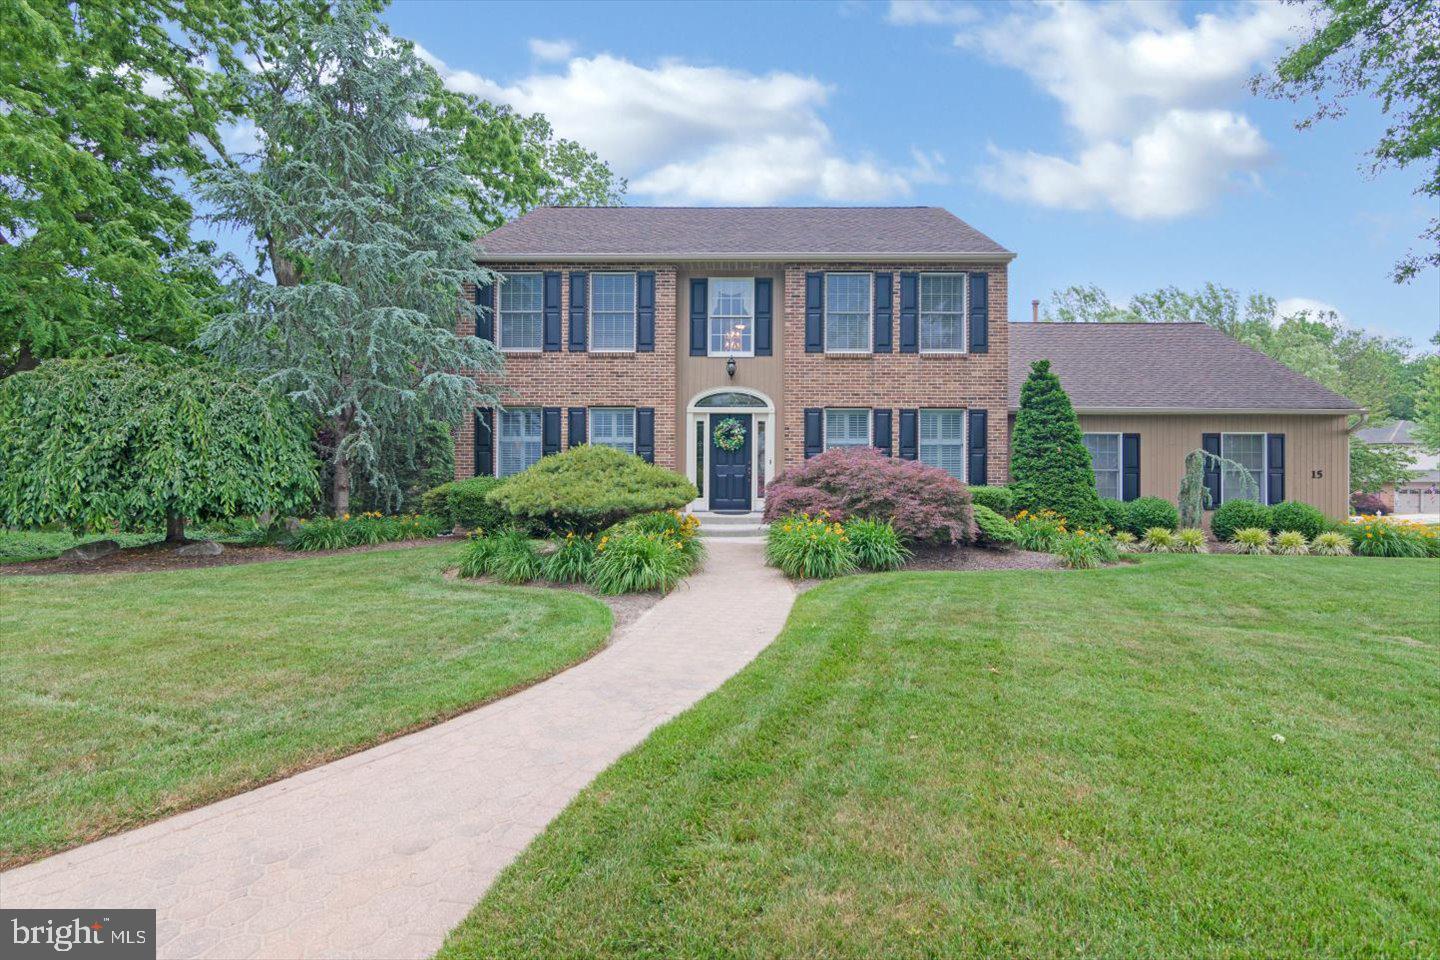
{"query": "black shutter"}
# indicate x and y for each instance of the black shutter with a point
(1274, 467)
(979, 313)
(909, 313)
(485, 443)
(578, 287)
(882, 432)
(1210, 443)
(550, 431)
(577, 426)
(1129, 466)
(909, 434)
(977, 462)
(884, 312)
(645, 311)
(645, 433)
(552, 312)
(485, 311)
(699, 316)
(764, 317)
(814, 313)
(814, 432)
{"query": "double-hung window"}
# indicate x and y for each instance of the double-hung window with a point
(942, 441)
(521, 306)
(732, 317)
(612, 312)
(942, 313)
(520, 442)
(613, 427)
(1248, 450)
(1105, 461)
(848, 306)
(847, 428)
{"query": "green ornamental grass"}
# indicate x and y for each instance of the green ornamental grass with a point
(1331, 543)
(634, 562)
(475, 561)
(1158, 540)
(1291, 543)
(1124, 541)
(1255, 540)
(805, 547)
(1190, 540)
(571, 559)
(875, 545)
(515, 560)
(1085, 550)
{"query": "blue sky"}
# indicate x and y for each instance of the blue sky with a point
(1116, 145)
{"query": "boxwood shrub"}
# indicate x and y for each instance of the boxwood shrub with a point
(1116, 516)
(999, 499)
(1236, 515)
(466, 504)
(1300, 517)
(1147, 513)
(993, 530)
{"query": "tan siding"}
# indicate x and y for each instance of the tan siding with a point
(1313, 444)
(698, 374)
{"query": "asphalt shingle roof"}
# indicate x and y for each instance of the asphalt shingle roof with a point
(721, 232)
(1161, 366)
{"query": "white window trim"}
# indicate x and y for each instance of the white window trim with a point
(1119, 452)
(710, 319)
(964, 437)
(1264, 464)
(870, 312)
(634, 310)
(499, 429)
(500, 316)
(590, 423)
(964, 313)
(869, 427)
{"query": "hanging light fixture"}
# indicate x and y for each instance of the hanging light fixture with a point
(730, 368)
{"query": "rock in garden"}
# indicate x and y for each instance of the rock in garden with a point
(203, 548)
(93, 550)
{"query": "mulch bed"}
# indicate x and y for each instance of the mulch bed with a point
(976, 558)
(156, 557)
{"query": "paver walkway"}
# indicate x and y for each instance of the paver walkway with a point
(381, 853)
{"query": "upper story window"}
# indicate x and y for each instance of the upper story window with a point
(613, 427)
(1105, 461)
(520, 440)
(1248, 450)
(612, 312)
(848, 307)
(732, 317)
(521, 307)
(847, 428)
(942, 313)
(942, 441)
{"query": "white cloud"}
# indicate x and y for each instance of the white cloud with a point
(551, 49)
(1146, 93)
(1318, 309)
(910, 12)
(701, 134)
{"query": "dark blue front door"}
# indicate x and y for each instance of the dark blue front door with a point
(730, 469)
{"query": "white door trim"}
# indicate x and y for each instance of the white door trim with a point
(697, 426)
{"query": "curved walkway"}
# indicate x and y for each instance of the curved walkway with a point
(381, 853)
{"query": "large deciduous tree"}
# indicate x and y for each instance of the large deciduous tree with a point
(98, 442)
(1389, 49)
(1049, 465)
(362, 199)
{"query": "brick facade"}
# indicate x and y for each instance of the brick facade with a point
(895, 380)
(565, 379)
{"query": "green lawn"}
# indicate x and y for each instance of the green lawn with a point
(1036, 764)
(129, 696)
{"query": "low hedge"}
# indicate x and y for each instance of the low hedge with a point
(466, 504)
(999, 499)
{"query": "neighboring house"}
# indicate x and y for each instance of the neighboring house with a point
(645, 327)
(1421, 494)
(1147, 394)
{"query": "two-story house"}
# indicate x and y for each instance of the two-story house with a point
(806, 328)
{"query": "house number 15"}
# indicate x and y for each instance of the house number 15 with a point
(1317, 474)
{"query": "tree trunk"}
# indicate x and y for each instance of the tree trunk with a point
(286, 273)
(174, 528)
(340, 488)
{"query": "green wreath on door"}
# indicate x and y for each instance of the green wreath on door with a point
(729, 434)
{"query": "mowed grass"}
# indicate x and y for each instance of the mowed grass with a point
(130, 696)
(1036, 764)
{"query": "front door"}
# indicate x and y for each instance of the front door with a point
(730, 469)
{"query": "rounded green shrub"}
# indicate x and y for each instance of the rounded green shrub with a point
(588, 488)
(633, 562)
(1234, 515)
(1116, 516)
(1297, 516)
(875, 545)
(999, 499)
(994, 530)
(1147, 513)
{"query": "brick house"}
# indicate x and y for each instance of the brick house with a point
(799, 328)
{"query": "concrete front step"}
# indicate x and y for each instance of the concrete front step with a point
(730, 524)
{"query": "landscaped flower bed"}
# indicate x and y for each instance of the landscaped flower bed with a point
(362, 529)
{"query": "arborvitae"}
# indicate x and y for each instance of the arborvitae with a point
(1050, 467)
